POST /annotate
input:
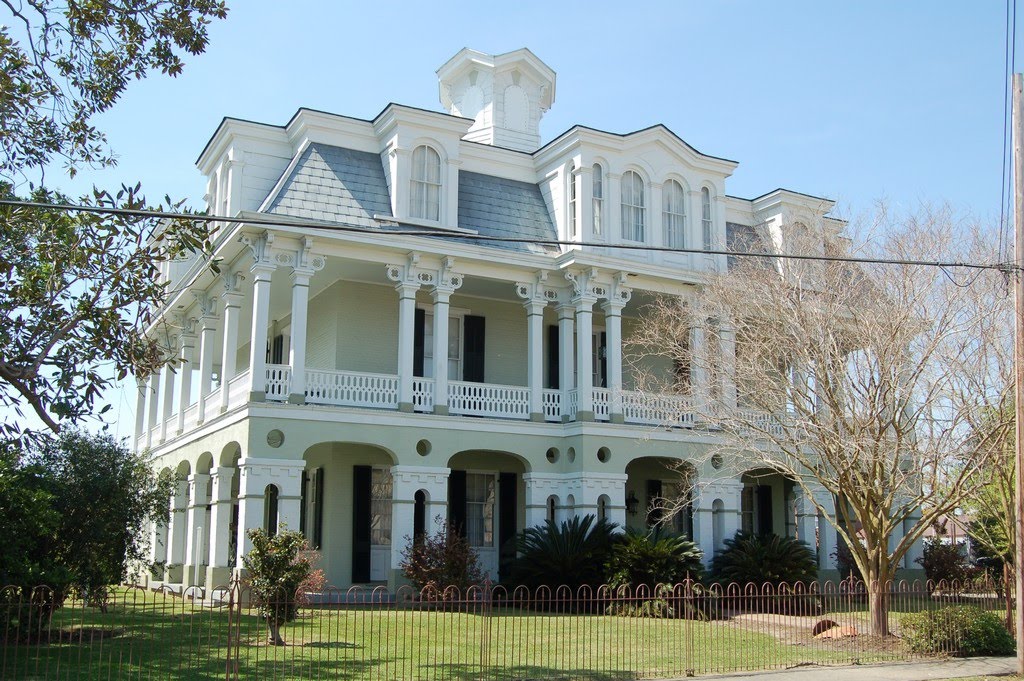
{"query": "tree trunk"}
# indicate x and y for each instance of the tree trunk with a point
(274, 633)
(878, 608)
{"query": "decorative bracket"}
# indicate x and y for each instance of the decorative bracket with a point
(448, 280)
(410, 275)
(232, 281)
(585, 285)
(261, 246)
(207, 305)
(537, 293)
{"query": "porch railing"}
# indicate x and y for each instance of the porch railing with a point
(351, 389)
(602, 398)
(657, 410)
(552, 400)
(423, 394)
(279, 379)
(487, 399)
(238, 389)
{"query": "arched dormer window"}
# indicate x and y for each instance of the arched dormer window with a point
(425, 187)
(598, 194)
(634, 210)
(705, 217)
(573, 203)
(674, 214)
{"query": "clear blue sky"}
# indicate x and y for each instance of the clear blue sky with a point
(857, 102)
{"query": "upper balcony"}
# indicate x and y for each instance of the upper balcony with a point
(420, 334)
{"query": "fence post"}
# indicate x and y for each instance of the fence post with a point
(485, 635)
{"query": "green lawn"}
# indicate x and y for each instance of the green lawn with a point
(152, 636)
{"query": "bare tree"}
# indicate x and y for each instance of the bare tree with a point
(863, 383)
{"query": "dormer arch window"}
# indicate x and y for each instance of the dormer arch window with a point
(705, 217)
(425, 184)
(597, 173)
(634, 207)
(673, 216)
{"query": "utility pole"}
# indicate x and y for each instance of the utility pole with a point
(1018, 352)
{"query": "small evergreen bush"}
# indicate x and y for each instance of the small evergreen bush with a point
(572, 553)
(278, 566)
(653, 557)
(769, 559)
(441, 560)
(962, 630)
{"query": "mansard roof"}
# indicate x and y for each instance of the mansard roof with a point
(348, 187)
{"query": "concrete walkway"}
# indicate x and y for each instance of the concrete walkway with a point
(907, 671)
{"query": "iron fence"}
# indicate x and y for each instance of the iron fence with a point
(486, 632)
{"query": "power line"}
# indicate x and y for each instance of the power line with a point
(441, 233)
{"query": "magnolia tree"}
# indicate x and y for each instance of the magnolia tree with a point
(865, 384)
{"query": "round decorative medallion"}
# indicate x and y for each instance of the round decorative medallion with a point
(716, 461)
(275, 438)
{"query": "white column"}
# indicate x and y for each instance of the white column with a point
(535, 356)
(220, 516)
(256, 474)
(828, 539)
(699, 389)
(198, 498)
(405, 482)
(441, 297)
(406, 330)
(176, 533)
(729, 492)
(613, 208)
(806, 517)
(188, 342)
(167, 403)
(586, 201)
(297, 359)
(261, 273)
(655, 220)
(140, 412)
(566, 361)
(584, 357)
(728, 373)
(154, 393)
(232, 309)
(540, 486)
(207, 338)
(612, 307)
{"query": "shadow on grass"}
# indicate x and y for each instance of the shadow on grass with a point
(458, 672)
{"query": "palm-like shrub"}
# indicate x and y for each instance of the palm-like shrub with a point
(572, 553)
(764, 559)
(653, 557)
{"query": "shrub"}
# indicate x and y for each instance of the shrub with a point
(653, 557)
(944, 562)
(572, 553)
(277, 566)
(962, 630)
(768, 559)
(441, 560)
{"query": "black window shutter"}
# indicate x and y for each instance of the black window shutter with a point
(419, 515)
(653, 495)
(602, 353)
(553, 356)
(457, 501)
(765, 524)
(507, 504)
(318, 508)
(473, 362)
(418, 334)
(303, 502)
(361, 523)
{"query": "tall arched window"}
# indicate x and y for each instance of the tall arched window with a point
(573, 216)
(425, 189)
(673, 215)
(705, 216)
(598, 194)
(634, 211)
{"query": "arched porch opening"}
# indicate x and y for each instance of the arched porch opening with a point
(486, 504)
(660, 492)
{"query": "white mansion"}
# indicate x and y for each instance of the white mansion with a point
(420, 316)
